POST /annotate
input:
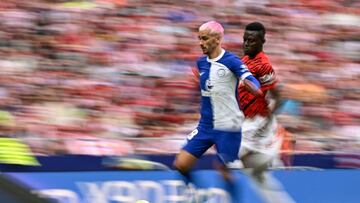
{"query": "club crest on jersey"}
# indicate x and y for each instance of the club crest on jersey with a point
(221, 72)
(208, 85)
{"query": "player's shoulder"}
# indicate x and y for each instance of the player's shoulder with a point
(265, 71)
(264, 59)
(230, 56)
(230, 59)
(260, 63)
(201, 60)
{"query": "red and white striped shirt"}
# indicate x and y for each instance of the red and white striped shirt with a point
(262, 70)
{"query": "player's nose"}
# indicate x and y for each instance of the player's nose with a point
(246, 44)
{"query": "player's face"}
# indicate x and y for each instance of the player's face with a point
(252, 43)
(208, 41)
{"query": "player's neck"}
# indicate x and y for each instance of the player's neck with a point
(215, 53)
(252, 56)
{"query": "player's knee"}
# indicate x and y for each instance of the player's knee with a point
(181, 165)
(256, 161)
(184, 161)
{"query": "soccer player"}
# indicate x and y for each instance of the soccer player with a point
(221, 118)
(260, 144)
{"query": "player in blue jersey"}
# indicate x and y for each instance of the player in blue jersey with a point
(221, 119)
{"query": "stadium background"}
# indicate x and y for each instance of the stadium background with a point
(113, 77)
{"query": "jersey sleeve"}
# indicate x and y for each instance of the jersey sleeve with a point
(267, 77)
(238, 68)
(195, 75)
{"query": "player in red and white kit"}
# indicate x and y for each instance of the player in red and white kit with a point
(260, 143)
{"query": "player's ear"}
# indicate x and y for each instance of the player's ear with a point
(218, 38)
(263, 40)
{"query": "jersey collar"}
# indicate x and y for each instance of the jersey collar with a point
(217, 58)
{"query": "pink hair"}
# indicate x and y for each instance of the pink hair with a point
(213, 26)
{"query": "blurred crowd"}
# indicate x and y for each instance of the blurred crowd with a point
(114, 76)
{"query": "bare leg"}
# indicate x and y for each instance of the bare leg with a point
(224, 171)
(184, 161)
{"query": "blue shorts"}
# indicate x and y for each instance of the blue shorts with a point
(227, 143)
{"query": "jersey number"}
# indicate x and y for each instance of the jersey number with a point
(192, 134)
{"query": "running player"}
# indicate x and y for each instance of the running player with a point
(221, 119)
(260, 144)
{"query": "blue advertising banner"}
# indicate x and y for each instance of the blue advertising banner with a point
(131, 186)
(97, 163)
(289, 186)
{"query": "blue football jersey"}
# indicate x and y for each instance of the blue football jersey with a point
(219, 78)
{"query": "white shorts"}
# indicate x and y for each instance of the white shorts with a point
(268, 142)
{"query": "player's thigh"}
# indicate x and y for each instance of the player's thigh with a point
(227, 146)
(197, 143)
(184, 161)
(244, 151)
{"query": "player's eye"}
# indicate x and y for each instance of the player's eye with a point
(251, 40)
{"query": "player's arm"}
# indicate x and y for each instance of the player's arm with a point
(253, 85)
(277, 100)
(274, 105)
(269, 84)
(250, 82)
